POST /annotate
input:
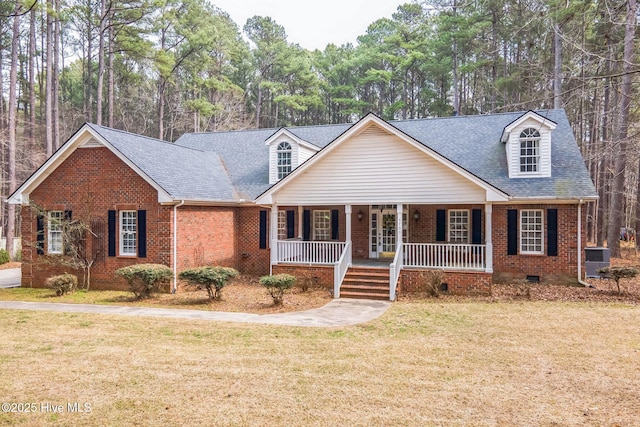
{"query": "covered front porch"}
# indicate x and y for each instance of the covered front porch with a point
(403, 239)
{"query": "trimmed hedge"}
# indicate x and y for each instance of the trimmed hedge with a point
(213, 279)
(145, 279)
(277, 285)
(63, 283)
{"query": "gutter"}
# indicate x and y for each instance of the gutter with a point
(175, 246)
(580, 281)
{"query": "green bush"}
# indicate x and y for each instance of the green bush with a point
(213, 279)
(277, 285)
(145, 279)
(4, 256)
(63, 283)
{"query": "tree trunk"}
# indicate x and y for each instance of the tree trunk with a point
(557, 66)
(12, 110)
(55, 91)
(32, 80)
(49, 85)
(103, 20)
(111, 89)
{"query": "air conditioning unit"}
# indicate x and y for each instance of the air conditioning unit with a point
(596, 258)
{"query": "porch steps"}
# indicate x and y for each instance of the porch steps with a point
(366, 283)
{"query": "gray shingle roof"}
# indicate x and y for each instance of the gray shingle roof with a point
(184, 173)
(231, 166)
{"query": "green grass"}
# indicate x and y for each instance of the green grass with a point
(422, 363)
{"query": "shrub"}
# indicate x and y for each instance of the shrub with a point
(618, 273)
(213, 279)
(4, 256)
(63, 283)
(145, 279)
(305, 281)
(431, 281)
(277, 285)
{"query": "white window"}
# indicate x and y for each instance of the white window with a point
(54, 230)
(529, 150)
(282, 225)
(322, 225)
(284, 159)
(531, 232)
(458, 226)
(128, 232)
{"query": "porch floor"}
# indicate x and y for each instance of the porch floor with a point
(372, 263)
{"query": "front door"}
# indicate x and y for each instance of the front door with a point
(382, 234)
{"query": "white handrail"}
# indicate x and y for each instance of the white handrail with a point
(394, 271)
(307, 252)
(340, 269)
(454, 255)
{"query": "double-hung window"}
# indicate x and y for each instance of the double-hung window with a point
(128, 233)
(54, 232)
(322, 225)
(531, 232)
(284, 159)
(458, 226)
(282, 225)
(529, 151)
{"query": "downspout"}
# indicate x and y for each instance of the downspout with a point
(580, 281)
(175, 246)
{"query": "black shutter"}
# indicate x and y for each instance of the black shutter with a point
(334, 224)
(68, 216)
(142, 234)
(263, 229)
(111, 231)
(441, 225)
(552, 232)
(40, 235)
(512, 232)
(291, 224)
(306, 224)
(476, 226)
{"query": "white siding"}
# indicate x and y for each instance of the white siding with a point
(513, 150)
(304, 154)
(377, 167)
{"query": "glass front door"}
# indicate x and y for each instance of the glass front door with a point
(382, 232)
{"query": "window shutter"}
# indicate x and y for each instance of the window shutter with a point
(441, 225)
(291, 224)
(334, 224)
(40, 235)
(476, 226)
(142, 234)
(512, 232)
(263, 229)
(68, 216)
(306, 224)
(111, 231)
(552, 232)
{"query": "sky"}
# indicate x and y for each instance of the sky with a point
(311, 23)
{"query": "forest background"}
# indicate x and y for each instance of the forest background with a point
(165, 67)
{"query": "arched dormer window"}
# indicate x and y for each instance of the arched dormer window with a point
(284, 159)
(529, 151)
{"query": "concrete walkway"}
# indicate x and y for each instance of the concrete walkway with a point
(340, 312)
(10, 278)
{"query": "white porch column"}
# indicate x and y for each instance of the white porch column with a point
(273, 234)
(488, 209)
(347, 212)
(300, 222)
(398, 224)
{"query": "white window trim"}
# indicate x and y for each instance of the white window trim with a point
(121, 233)
(282, 225)
(284, 169)
(521, 231)
(317, 214)
(449, 212)
(54, 226)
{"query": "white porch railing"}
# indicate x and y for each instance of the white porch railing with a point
(394, 271)
(340, 269)
(305, 252)
(455, 255)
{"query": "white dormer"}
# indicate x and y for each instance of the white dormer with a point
(528, 146)
(287, 152)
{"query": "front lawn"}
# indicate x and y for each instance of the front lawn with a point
(421, 363)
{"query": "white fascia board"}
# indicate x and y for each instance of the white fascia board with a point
(370, 118)
(528, 115)
(285, 132)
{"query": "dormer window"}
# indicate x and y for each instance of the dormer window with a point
(529, 150)
(284, 159)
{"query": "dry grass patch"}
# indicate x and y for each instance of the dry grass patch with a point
(422, 363)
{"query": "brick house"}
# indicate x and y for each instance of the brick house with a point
(363, 207)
